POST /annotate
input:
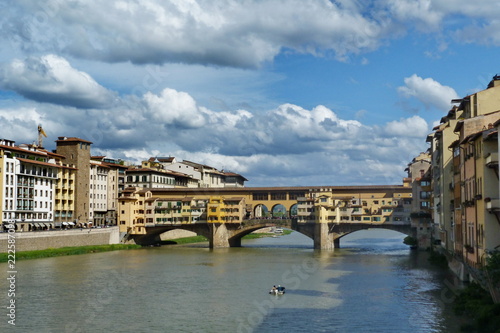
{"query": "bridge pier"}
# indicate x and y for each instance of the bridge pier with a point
(323, 239)
(219, 236)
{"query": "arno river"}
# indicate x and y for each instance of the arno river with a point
(372, 284)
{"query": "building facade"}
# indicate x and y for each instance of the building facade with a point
(28, 177)
(77, 152)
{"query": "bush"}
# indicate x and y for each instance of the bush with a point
(408, 240)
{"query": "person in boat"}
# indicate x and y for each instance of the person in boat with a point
(273, 290)
(280, 289)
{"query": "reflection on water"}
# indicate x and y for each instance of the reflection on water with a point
(372, 284)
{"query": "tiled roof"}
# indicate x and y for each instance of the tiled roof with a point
(71, 139)
(26, 160)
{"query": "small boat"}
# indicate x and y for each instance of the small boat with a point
(279, 290)
(278, 230)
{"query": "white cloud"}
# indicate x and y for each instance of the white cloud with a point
(173, 107)
(235, 33)
(51, 78)
(409, 127)
(428, 91)
(231, 33)
(287, 145)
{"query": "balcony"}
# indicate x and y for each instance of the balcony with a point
(492, 205)
(491, 160)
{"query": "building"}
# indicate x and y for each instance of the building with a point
(116, 184)
(201, 175)
(28, 176)
(419, 174)
(149, 178)
(77, 152)
(464, 169)
(143, 208)
(64, 206)
(377, 206)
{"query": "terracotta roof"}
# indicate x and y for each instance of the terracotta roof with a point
(26, 151)
(161, 159)
(142, 170)
(26, 160)
(71, 139)
(198, 164)
(305, 189)
(55, 154)
(232, 174)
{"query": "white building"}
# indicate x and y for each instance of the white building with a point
(98, 193)
(28, 178)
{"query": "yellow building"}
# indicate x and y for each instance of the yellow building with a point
(225, 210)
(64, 203)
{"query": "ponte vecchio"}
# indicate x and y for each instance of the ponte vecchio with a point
(225, 215)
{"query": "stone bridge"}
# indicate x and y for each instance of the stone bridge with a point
(326, 236)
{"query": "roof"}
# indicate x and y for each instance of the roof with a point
(99, 164)
(232, 174)
(458, 126)
(26, 160)
(146, 170)
(453, 144)
(71, 139)
(162, 159)
(198, 164)
(55, 154)
(226, 190)
(18, 149)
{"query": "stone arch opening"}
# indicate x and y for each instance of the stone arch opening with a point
(387, 235)
(279, 211)
(261, 211)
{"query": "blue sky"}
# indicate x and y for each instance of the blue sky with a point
(284, 92)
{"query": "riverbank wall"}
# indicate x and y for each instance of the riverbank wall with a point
(41, 240)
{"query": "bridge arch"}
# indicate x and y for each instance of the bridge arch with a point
(325, 235)
(260, 211)
(279, 211)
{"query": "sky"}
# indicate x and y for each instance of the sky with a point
(283, 92)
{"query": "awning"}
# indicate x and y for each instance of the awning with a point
(71, 223)
(65, 223)
(37, 225)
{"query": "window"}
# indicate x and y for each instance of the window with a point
(278, 196)
(425, 195)
(425, 204)
(260, 196)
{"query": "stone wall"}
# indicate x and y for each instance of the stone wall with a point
(40, 240)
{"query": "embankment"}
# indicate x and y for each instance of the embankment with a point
(41, 240)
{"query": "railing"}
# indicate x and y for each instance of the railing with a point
(493, 205)
(491, 160)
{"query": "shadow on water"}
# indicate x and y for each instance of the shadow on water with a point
(376, 284)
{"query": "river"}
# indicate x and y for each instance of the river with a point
(373, 283)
